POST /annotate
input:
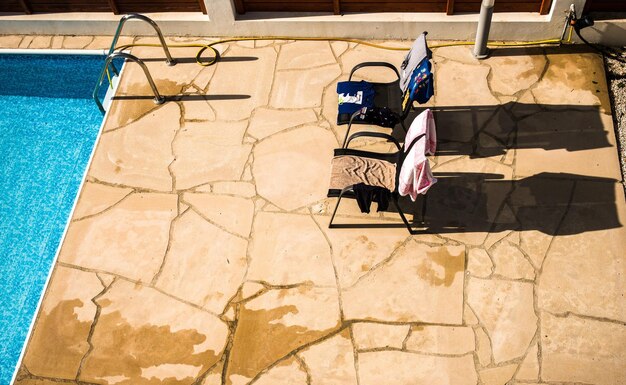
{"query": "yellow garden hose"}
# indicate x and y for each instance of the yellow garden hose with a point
(216, 55)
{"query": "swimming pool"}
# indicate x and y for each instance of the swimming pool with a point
(48, 127)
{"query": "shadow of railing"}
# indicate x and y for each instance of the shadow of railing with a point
(184, 97)
(190, 60)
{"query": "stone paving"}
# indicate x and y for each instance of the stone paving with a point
(199, 251)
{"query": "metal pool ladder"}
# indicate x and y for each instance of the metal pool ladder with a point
(158, 99)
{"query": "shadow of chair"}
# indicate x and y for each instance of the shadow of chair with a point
(476, 202)
(491, 130)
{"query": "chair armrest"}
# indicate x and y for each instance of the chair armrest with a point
(372, 135)
(345, 139)
(374, 64)
(408, 149)
(345, 190)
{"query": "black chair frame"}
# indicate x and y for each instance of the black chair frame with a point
(385, 94)
(396, 158)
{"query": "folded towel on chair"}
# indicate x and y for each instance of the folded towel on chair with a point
(348, 170)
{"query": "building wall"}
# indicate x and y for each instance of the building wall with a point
(221, 20)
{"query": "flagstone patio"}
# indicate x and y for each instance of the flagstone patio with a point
(199, 252)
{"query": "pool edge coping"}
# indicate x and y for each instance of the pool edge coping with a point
(44, 289)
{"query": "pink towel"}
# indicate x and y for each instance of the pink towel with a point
(424, 123)
(415, 174)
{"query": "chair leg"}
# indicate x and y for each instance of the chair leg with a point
(345, 139)
(424, 207)
(332, 218)
(403, 126)
(354, 115)
(330, 224)
(406, 222)
(395, 201)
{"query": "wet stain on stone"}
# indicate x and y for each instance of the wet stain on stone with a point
(538, 63)
(572, 70)
(124, 112)
(441, 267)
(59, 342)
(125, 351)
(118, 166)
(528, 73)
(360, 243)
(261, 339)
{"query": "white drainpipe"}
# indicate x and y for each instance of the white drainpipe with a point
(482, 32)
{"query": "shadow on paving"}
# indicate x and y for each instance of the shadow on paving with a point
(475, 202)
(183, 97)
(548, 50)
(204, 59)
(485, 131)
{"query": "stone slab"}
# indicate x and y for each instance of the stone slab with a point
(139, 154)
(582, 350)
(408, 369)
(297, 161)
(385, 293)
(277, 323)
(204, 265)
(233, 214)
(289, 249)
(143, 336)
(96, 197)
(369, 335)
(209, 151)
(59, 339)
(129, 240)
(441, 340)
(331, 361)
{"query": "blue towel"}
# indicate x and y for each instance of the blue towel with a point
(354, 95)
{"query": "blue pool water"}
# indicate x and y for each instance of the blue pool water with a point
(48, 126)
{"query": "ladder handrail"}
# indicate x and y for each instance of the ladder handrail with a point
(158, 99)
(131, 16)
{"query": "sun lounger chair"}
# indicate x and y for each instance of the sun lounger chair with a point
(414, 83)
(352, 166)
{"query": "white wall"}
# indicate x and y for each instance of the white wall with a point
(222, 21)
